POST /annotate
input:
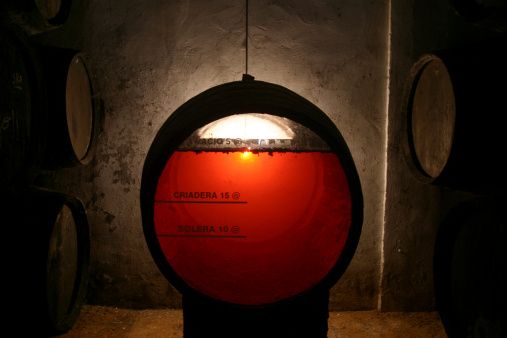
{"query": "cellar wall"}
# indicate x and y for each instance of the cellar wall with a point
(349, 58)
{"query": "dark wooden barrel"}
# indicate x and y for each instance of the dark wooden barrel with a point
(490, 14)
(48, 266)
(36, 16)
(23, 109)
(73, 108)
(470, 273)
(451, 117)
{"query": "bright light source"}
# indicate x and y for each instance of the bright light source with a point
(248, 126)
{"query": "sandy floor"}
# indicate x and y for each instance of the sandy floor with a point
(98, 321)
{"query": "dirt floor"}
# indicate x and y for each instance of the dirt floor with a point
(98, 321)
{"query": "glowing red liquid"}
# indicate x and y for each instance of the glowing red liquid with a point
(252, 229)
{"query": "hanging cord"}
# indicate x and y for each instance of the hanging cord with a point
(246, 38)
(246, 76)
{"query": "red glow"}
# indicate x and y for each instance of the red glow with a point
(252, 229)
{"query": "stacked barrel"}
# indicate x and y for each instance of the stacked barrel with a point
(49, 115)
(454, 138)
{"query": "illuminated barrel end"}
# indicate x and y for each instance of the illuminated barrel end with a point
(250, 214)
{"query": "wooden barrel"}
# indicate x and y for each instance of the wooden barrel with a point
(451, 107)
(73, 108)
(470, 273)
(49, 270)
(230, 212)
(23, 114)
(37, 16)
(490, 14)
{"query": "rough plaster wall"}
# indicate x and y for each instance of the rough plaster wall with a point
(414, 210)
(151, 56)
(334, 54)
